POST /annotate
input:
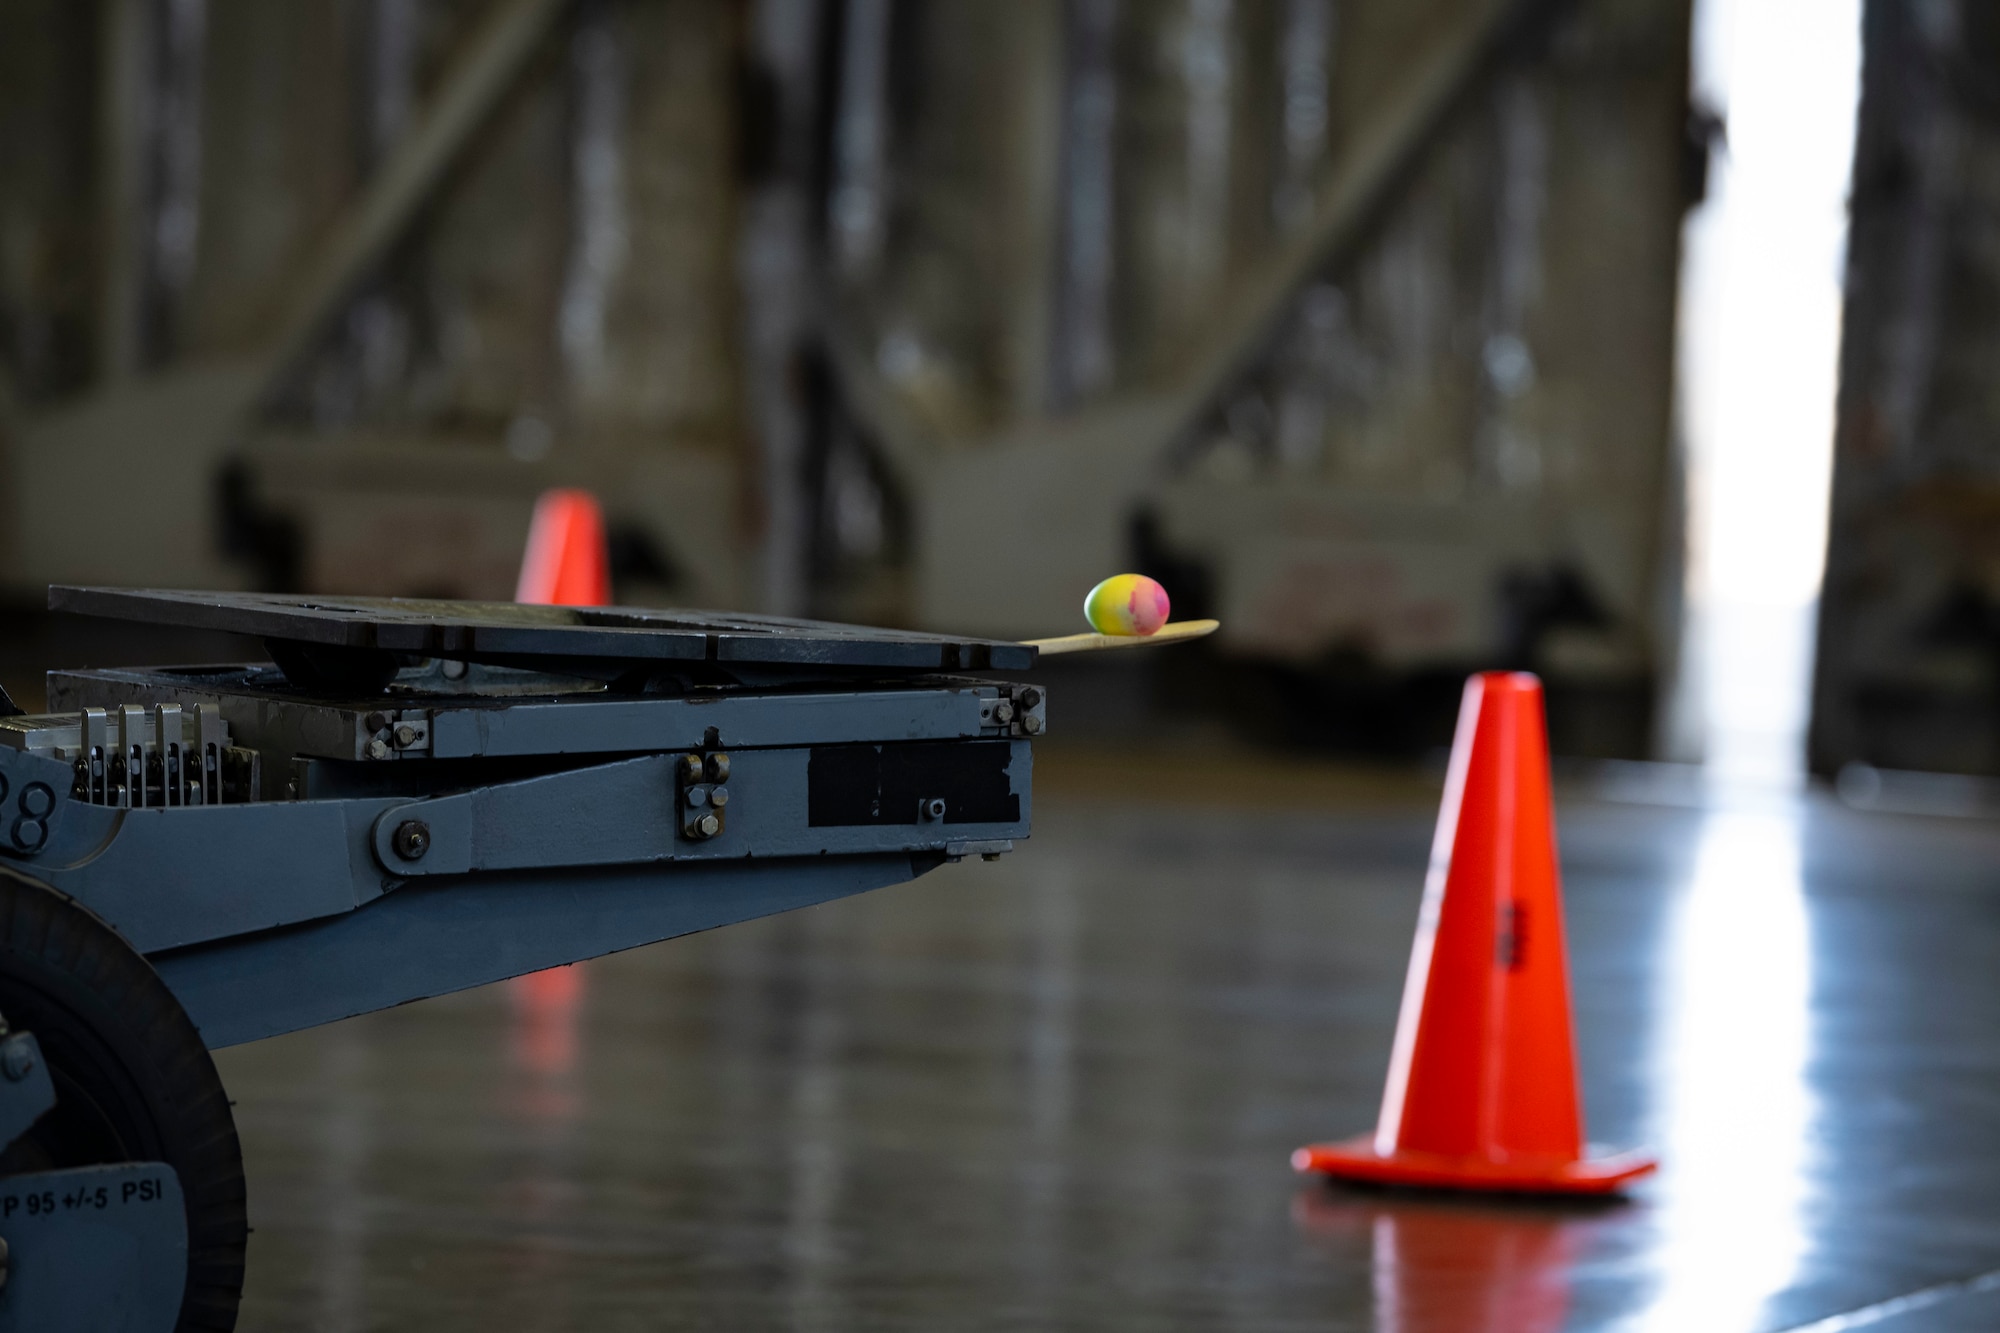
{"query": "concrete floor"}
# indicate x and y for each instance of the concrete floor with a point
(1059, 1091)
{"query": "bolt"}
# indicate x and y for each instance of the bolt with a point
(37, 799)
(934, 808)
(377, 750)
(411, 839)
(406, 735)
(30, 834)
(375, 721)
(1030, 696)
(1003, 712)
(697, 796)
(718, 768)
(17, 1058)
(454, 669)
(707, 826)
(718, 797)
(1032, 725)
(690, 767)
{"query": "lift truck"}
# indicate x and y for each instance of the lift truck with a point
(410, 798)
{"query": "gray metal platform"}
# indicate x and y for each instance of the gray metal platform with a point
(506, 631)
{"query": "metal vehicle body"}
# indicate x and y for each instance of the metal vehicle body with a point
(416, 797)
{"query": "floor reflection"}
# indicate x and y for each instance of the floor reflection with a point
(1444, 1265)
(1736, 1109)
(543, 1097)
(345, 1142)
(542, 1036)
(815, 1144)
(1050, 943)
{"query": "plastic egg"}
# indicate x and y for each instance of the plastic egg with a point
(1129, 604)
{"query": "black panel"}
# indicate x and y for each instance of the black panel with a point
(504, 631)
(882, 784)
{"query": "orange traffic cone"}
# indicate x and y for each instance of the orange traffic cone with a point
(567, 562)
(1482, 1087)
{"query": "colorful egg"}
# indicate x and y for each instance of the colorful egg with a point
(1130, 604)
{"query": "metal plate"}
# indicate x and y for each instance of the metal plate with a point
(476, 630)
(262, 710)
(25, 1088)
(98, 1247)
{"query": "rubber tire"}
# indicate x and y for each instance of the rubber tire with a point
(134, 1082)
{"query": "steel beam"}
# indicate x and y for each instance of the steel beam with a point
(492, 62)
(1361, 186)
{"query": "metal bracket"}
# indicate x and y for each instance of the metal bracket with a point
(606, 814)
(389, 733)
(1018, 710)
(986, 849)
(25, 1089)
(704, 795)
(134, 758)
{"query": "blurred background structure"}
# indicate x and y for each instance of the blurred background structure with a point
(1352, 322)
(1909, 639)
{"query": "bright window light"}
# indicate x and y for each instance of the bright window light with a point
(1760, 335)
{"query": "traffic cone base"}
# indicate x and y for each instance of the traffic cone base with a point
(1357, 1159)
